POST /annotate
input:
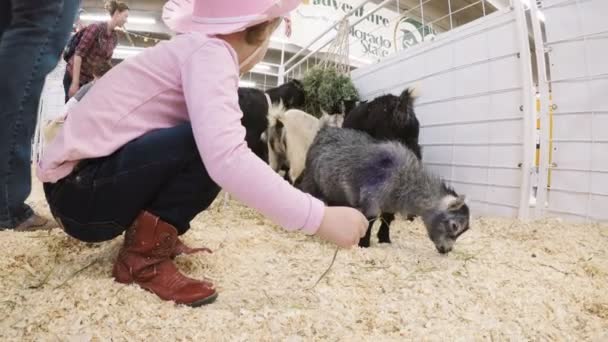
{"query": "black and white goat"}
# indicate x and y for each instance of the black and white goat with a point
(255, 105)
(291, 94)
(392, 118)
(349, 167)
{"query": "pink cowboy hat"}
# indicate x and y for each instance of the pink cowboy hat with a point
(223, 16)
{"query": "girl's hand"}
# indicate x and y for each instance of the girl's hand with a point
(73, 89)
(342, 226)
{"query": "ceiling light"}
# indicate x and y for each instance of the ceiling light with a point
(123, 52)
(141, 20)
(94, 17)
(247, 84)
(279, 40)
(261, 66)
(130, 20)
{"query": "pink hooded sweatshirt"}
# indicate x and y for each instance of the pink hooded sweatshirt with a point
(192, 78)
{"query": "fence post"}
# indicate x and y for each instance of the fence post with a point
(543, 88)
(529, 108)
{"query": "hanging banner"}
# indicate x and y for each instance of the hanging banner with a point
(372, 39)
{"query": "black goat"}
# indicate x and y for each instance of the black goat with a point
(291, 93)
(387, 117)
(254, 105)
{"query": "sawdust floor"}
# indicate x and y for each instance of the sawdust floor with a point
(505, 280)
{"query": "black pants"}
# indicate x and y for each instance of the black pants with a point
(161, 172)
(67, 81)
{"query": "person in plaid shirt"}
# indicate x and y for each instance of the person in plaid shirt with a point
(94, 49)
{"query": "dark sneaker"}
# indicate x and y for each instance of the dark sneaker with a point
(33, 223)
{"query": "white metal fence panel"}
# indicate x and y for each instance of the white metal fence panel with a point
(475, 107)
(577, 45)
(51, 106)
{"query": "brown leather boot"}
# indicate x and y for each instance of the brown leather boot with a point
(145, 259)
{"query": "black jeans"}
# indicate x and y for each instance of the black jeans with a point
(67, 82)
(160, 172)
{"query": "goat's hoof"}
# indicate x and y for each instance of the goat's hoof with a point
(364, 244)
(387, 240)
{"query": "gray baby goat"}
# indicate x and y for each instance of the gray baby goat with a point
(349, 167)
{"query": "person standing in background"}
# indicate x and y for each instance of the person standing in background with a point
(95, 47)
(51, 128)
(99, 71)
(32, 35)
(79, 25)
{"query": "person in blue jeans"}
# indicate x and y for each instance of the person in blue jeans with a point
(33, 34)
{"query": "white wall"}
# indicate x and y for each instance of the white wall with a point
(471, 108)
(577, 38)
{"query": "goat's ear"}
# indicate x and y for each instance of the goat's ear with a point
(457, 203)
